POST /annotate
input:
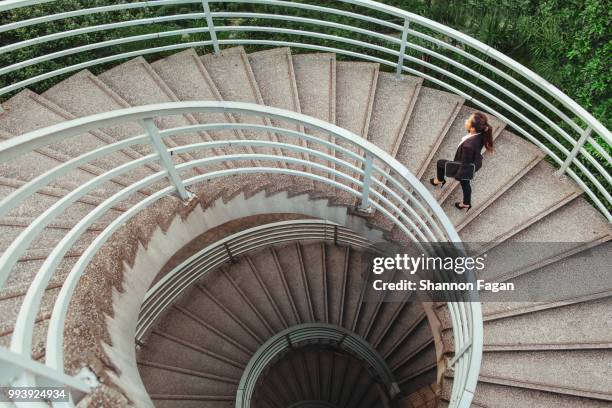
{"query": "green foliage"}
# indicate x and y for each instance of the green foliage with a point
(567, 42)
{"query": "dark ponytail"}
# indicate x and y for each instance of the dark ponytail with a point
(480, 122)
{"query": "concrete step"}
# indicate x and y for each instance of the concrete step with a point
(578, 326)
(448, 146)
(266, 264)
(583, 373)
(313, 257)
(570, 237)
(336, 263)
(11, 227)
(249, 282)
(275, 77)
(9, 309)
(44, 198)
(512, 154)
(393, 104)
(537, 194)
(290, 259)
(164, 348)
(315, 76)
(237, 303)
(357, 274)
(489, 394)
(432, 116)
(420, 340)
(536, 286)
(423, 366)
(138, 84)
(40, 161)
(233, 77)
(355, 91)
(169, 379)
(192, 401)
(189, 327)
(407, 321)
(84, 94)
(185, 74)
(28, 111)
(206, 306)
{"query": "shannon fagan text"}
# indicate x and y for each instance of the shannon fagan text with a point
(430, 286)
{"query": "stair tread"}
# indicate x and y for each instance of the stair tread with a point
(393, 105)
(585, 372)
(84, 94)
(290, 263)
(509, 397)
(28, 111)
(164, 350)
(581, 323)
(315, 76)
(432, 116)
(275, 76)
(529, 199)
(537, 286)
(560, 226)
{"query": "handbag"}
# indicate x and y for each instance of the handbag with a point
(451, 168)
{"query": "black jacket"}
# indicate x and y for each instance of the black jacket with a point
(469, 153)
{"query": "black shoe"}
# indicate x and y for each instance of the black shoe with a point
(433, 183)
(463, 207)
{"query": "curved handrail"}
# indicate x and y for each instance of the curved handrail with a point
(192, 269)
(568, 150)
(395, 193)
(308, 332)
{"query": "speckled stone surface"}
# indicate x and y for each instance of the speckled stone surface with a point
(529, 199)
(393, 104)
(355, 90)
(275, 77)
(510, 397)
(185, 74)
(582, 325)
(559, 229)
(432, 116)
(27, 111)
(315, 75)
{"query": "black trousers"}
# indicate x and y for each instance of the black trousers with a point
(465, 184)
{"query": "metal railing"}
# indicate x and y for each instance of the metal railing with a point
(374, 177)
(192, 269)
(305, 333)
(408, 43)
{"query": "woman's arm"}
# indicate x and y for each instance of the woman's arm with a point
(466, 158)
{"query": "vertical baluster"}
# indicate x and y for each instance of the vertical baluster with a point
(211, 26)
(574, 153)
(402, 51)
(165, 159)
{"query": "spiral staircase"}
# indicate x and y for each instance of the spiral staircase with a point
(293, 296)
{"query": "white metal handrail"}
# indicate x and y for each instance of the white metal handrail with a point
(550, 107)
(396, 194)
(173, 284)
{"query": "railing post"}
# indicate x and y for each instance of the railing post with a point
(400, 60)
(211, 26)
(364, 206)
(165, 158)
(570, 158)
